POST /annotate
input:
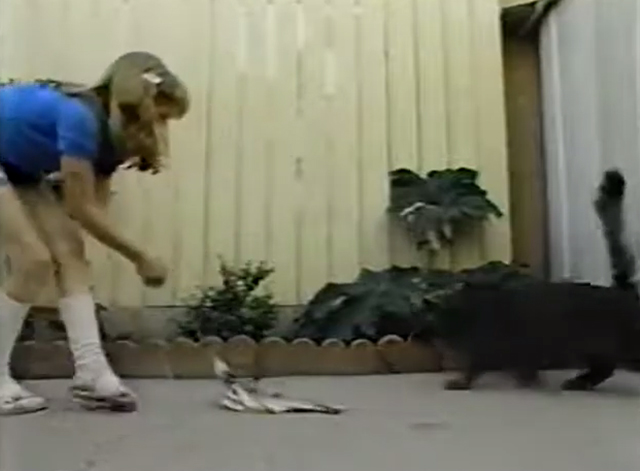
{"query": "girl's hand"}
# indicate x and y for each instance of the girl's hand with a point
(152, 271)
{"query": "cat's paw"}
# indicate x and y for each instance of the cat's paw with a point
(457, 384)
(529, 380)
(576, 384)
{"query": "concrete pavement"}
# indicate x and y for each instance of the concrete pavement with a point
(404, 422)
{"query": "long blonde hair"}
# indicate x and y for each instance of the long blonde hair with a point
(132, 86)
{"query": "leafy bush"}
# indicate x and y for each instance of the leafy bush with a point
(395, 301)
(434, 209)
(374, 303)
(233, 308)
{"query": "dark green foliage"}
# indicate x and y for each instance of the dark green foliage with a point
(395, 301)
(434, 209)
(233, 308)
(375, 302)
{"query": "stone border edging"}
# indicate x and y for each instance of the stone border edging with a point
(185, 359)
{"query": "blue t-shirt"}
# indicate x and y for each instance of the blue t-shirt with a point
(39, 124)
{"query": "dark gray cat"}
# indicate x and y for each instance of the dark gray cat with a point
(522, 329)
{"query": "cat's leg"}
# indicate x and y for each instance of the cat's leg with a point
(463, 382)
(599, 370)
(528, 377)
(468, 375)
(527, 364)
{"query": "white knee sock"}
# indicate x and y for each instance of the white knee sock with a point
(12, 315)
(79, 316)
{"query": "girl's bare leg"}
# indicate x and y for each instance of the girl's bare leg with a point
(95, 384)
(30, 268)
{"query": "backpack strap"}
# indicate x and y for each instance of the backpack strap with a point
(111, 149)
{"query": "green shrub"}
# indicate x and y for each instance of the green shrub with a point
(437, 208)
(395, 301)
(233, 308)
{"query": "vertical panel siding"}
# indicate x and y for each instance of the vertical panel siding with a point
(402, 108)
(224, 138)
(590, 78)
(461, 101)
(285, 190)
(253, 158)
(432, 94)
(344, 143)
(314, 161)
(300, 108)
(490, 123)
(373, 134)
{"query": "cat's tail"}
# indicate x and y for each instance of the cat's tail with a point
(609, 208)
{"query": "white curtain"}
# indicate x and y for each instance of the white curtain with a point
(591, 78)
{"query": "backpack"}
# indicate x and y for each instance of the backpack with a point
(111, 145)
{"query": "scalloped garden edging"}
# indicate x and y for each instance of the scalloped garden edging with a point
(183, 359)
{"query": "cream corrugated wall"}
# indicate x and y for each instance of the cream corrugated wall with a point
(300, 108)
